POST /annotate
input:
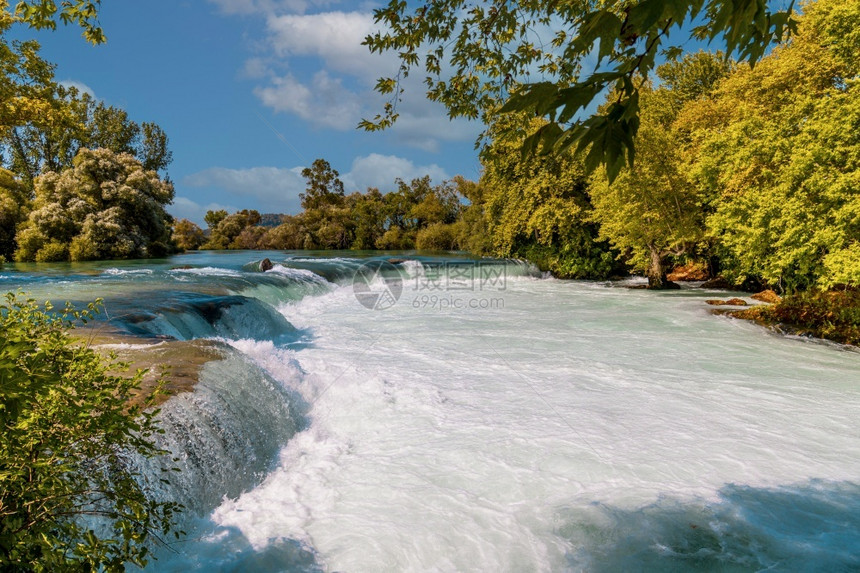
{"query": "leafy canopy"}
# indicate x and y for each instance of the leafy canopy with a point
(45, 14)
(484, 57)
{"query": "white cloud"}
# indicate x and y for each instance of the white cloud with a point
(80, 86)
(380, 171)
(324, 102)
(185, 208)
(335, 37)
(275, 189)
(254, 69)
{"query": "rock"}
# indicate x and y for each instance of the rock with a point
(767, 296)
(266, 265)
(181, 268)
(689, 272)
(730, 302)
(717, 283)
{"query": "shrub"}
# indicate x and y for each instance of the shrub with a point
(68, 497)
(437, 237)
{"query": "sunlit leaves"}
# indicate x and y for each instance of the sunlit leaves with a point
(45, 14)
(481, 57)
(105, 207)
(69, 429)
(782, 159)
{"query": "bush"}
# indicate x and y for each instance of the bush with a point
(395, 239)
(437, 237)
(68, 497)
(827, 314)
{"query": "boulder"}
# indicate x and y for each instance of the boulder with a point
(689, 272)
(266, 265)
(717, 283)
(730, 302)
(767, 296)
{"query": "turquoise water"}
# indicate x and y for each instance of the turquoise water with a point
(489, 419)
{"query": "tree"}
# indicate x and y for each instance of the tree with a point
(212, 218)
(653, 209)
(539, 208)
(26, 80)
(324, 187)
(779, 153)
(478, 56)
(50, 142)
(13, 210)
(228, 229)
(368, 210)
(70, 427)
(289, 235)
(152, 149)
(105, 207)
(44, 14)
(187, 235)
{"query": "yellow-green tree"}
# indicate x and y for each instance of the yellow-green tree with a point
(187, 235)
(539, 208)
(780, 154)
(69, 430)
(653, 209)
(530, 54)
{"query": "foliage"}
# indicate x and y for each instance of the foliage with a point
(69, 499)
(334, 220)
(834, 315)
(50, 142)
(26, 80)
(227, 228)
(187, 235)
(13, 210)
(438, 237)
(539, 208)
(44, 14)
(478, 55)
(778, 151)
(105, 207)
(324, 187)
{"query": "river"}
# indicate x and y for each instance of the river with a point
(405, 413)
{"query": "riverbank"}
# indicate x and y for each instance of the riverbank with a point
(832, 315)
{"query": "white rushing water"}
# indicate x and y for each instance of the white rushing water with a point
(566, 426)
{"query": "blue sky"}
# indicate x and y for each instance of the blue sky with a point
(251, 91)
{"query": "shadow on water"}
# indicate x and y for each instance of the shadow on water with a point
(810, 527)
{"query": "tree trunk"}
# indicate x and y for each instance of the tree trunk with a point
(656, 271)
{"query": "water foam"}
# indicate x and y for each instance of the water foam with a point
(478, 440)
